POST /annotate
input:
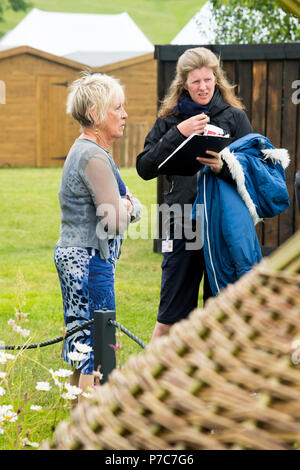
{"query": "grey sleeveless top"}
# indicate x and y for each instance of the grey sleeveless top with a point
(89, 179)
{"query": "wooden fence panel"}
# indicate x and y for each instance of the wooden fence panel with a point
(258, 121)
(265, 75)
(126, 149)
(244, 80)
(289, 134)
(273, 126)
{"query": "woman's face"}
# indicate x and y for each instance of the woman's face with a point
(115, 123)
(200, 84)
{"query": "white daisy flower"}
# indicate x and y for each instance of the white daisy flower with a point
(6, 414)
(4, 356)
(3, 375)
(73, 389)
(76, 356)
(63, 373)
(2, 391)
(43, 386)
(36, 408)
(83, 348)
(68, 396)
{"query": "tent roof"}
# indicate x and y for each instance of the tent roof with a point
(91, 39)
(199, 30)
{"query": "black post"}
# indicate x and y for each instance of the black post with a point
(104, 335)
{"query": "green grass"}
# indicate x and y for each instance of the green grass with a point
(29, 230)
(28, 234)
(30, 219)
(160, 20)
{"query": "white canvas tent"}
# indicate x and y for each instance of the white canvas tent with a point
(199, 30)
(91, 39)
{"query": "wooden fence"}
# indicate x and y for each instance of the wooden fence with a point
(126, 149)
(268, 80)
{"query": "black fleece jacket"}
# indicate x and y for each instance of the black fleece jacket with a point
(165, 137)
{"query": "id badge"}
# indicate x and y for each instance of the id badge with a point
(167, 246)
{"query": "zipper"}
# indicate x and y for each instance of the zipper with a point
(207, 234)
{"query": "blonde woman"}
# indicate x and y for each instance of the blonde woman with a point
(96, 208)
(199, 94)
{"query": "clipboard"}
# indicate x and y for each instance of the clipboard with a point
(183, 160)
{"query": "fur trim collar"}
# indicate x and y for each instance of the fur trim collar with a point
(277, 156)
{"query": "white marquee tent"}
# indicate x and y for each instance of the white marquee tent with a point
(199, 30)
(91, 39)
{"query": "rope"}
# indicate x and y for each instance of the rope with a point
(47, 343)
(127, 332)
(70, 333)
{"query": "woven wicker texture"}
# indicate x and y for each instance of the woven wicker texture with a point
(225, 378)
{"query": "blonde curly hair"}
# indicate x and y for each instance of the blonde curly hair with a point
(190, 60)
(92, 92)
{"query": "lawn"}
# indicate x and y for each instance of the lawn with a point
(160, 20)
(28, 234)
(28, 280)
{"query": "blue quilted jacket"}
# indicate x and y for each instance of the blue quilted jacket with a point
(230, 212)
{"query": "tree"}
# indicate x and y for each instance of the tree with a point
(253, 21)
(15, 5)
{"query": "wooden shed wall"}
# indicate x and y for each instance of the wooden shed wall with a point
(34, 127)
(139, 77)
(25, 123)
(267, 76)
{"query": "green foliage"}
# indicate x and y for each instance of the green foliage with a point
(249, 21)
(15, 5)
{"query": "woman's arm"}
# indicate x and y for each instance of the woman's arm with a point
(161, 141)
(113, 210)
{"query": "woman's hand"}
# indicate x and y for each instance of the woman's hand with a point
(127, 204)
(193, 125)
(214, 163)
(127, 201)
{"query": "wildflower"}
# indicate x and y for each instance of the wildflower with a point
(36, 408)
(73, 389)
(23, 332)
(1, 431)
(11, 322)
(4, 356)
(43, 386)
(83, 348)
(26, 442)
(76, 356)
(116, 346)
(68, 396)
(86, 394)
(2, 391)
(3, 375)
(55, 378)
(9, 356)
(6, 414)
(62, 373)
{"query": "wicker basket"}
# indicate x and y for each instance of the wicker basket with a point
(225, 378)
